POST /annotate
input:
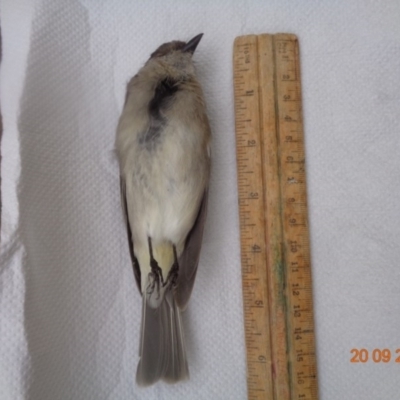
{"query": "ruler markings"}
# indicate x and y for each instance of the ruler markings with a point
(279, 327)
(257, 331)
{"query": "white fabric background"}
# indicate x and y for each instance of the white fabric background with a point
(70, 311)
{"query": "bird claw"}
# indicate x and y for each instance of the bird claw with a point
(156, 277)
(172, 275)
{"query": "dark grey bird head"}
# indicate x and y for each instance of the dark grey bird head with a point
(177, 46)
(175, 58)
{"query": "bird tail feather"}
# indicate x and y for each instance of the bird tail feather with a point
(162, 348)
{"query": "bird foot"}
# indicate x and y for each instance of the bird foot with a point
(156, 276)
(172, 275)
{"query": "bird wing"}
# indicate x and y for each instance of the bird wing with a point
(124, 203)
(189, 259)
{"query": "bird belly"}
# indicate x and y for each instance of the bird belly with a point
(166, 188)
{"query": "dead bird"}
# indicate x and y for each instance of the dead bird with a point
(163, 146)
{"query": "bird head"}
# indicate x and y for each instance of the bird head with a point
(176, 54)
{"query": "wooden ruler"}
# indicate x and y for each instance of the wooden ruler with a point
(275, 254)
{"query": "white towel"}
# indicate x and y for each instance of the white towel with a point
(69, 307)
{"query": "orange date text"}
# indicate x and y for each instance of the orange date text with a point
(375, 355)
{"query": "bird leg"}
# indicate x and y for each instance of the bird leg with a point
(173, 272)
(156, 272)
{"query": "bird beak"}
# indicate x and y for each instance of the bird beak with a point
(191, 45)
